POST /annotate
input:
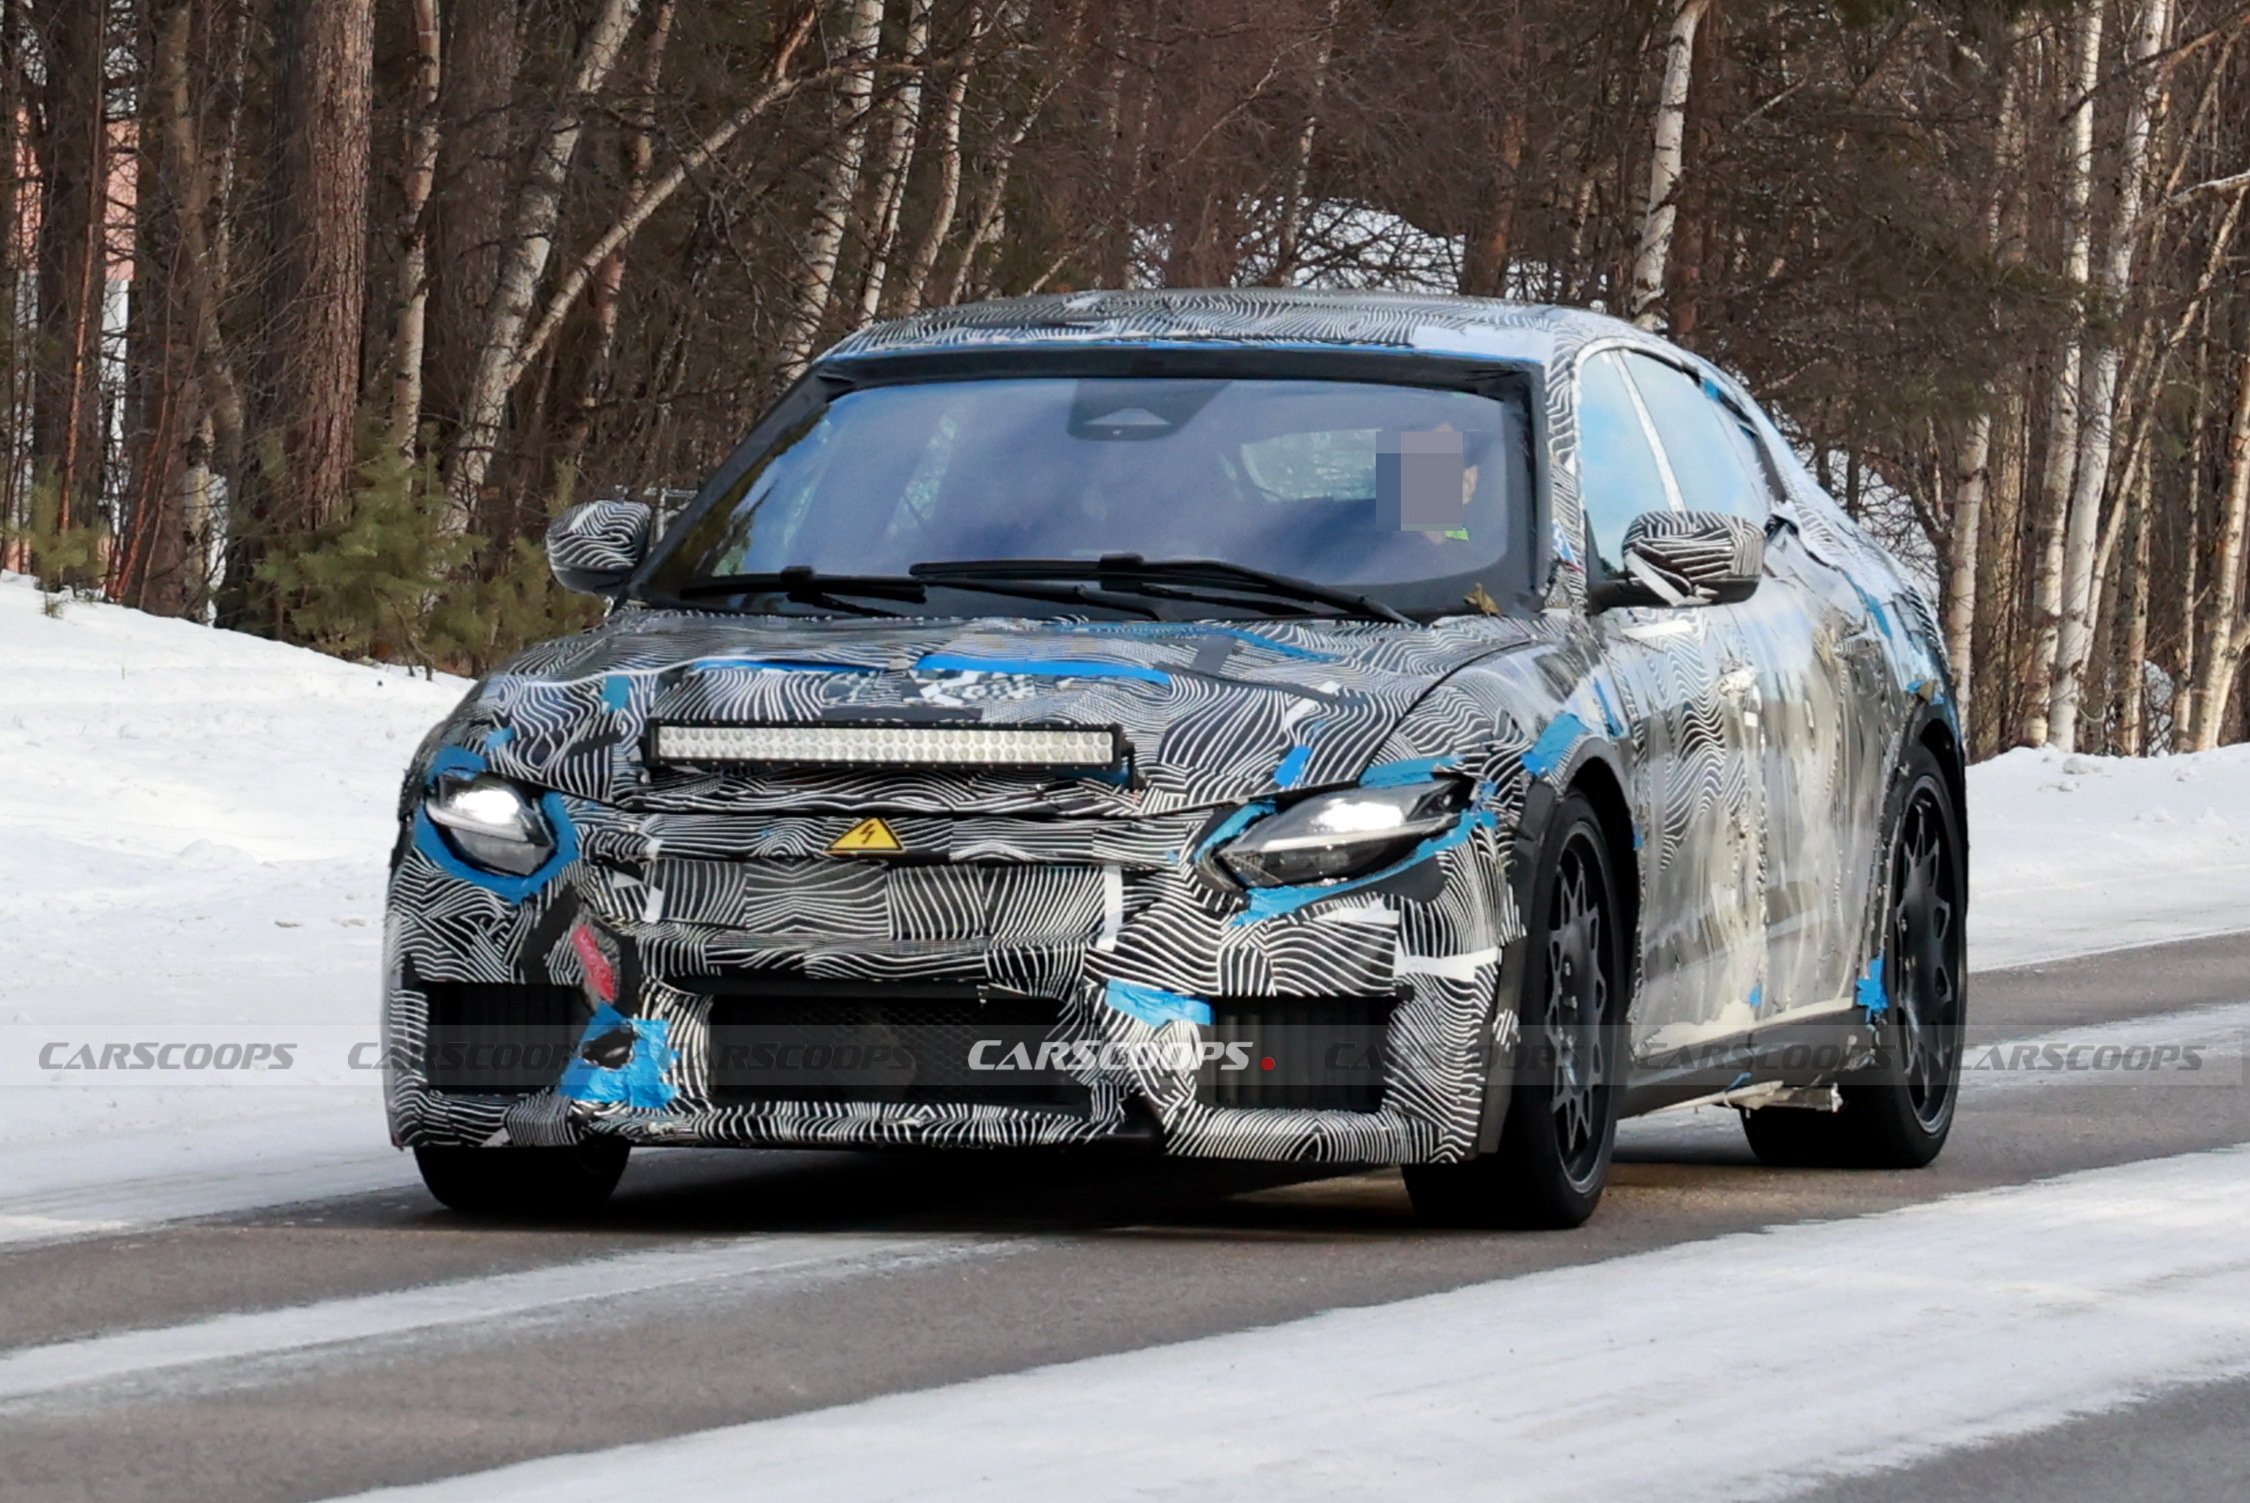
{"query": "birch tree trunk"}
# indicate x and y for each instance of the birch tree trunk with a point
(913, 289)
(531, 241)
(411, 303)
(2062, 427)
(640, 207)
(476, 182)
(1660, 209)
(897, 157)
(1300, 168)
(2187, 667)
(984, 222)
(606, 284)
(2224, 632)
(2132, 713)
(1973, 477)
(832, 210)
(1973, 468)
(2099, 415)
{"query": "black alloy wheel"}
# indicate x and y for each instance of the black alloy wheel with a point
(1561, 1124)
(1898, 1111)
(532, 1182)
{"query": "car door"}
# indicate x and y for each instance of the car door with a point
(1797, 650)
(1691, 698)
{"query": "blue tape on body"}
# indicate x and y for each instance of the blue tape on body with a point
(513, 889)
(454, 759)
(1041, 668)
(1399, 774)
(617, 692)
(637, 1082)
(1292, 767)
(1874, 609)
(1233, 825)
(1614, 722)
(1155, 1006)
(1270, 902)
(1553, 746)
(499, 736)
(1870, 991)
(1757, 996)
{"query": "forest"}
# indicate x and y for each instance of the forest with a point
(318, 309)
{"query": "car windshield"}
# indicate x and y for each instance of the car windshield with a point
(1416, 495)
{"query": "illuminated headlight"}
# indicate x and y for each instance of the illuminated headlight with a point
(887, 745)
(492, 823)
(1333, 836)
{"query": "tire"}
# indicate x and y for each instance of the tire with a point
(537, 1182)
(1898, 1111)
(1555, 1143)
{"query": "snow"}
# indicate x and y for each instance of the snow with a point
(2074, 854)
(194, 823)
(193, 829)
(1999, 1313)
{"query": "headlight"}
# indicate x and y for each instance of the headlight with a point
(1336, 835)
(492, 823)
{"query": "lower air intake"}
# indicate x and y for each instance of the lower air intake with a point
(789, 1039)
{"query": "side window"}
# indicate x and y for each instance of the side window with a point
(1714, 459)
(1618, 476)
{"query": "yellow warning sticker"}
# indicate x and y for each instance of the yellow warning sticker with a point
(868, 837)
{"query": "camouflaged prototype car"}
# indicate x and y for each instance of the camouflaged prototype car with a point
(1351, 728)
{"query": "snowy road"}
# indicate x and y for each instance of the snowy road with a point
(2063, 1300)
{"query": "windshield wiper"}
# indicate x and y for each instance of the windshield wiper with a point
(1130, 571)
(809, 586)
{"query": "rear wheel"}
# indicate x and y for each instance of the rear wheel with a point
(1897, 1112)
(524, 1181)
(1554, 1151)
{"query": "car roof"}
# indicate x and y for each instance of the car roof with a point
(1400, 322)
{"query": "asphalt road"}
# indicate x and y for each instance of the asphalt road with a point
(338, 1345)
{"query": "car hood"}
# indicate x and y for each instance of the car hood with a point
(1214, 712)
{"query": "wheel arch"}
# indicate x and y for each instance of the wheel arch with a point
(1595, 777)
(1936, 734)
(1599, 782)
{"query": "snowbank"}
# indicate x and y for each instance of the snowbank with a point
(2070, 855)
(193, 826)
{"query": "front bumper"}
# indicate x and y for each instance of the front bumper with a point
(703, 980)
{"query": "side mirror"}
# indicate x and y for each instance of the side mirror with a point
(1686, 558)
(594, 547)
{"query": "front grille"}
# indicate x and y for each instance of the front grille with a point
(491, 1039)
(794, 1039)
(1317, 1053)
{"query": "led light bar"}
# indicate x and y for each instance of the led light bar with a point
(887, 745)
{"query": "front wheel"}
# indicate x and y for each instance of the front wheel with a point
(524, 1181)
(1555, 1144)
(1897, 1111)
